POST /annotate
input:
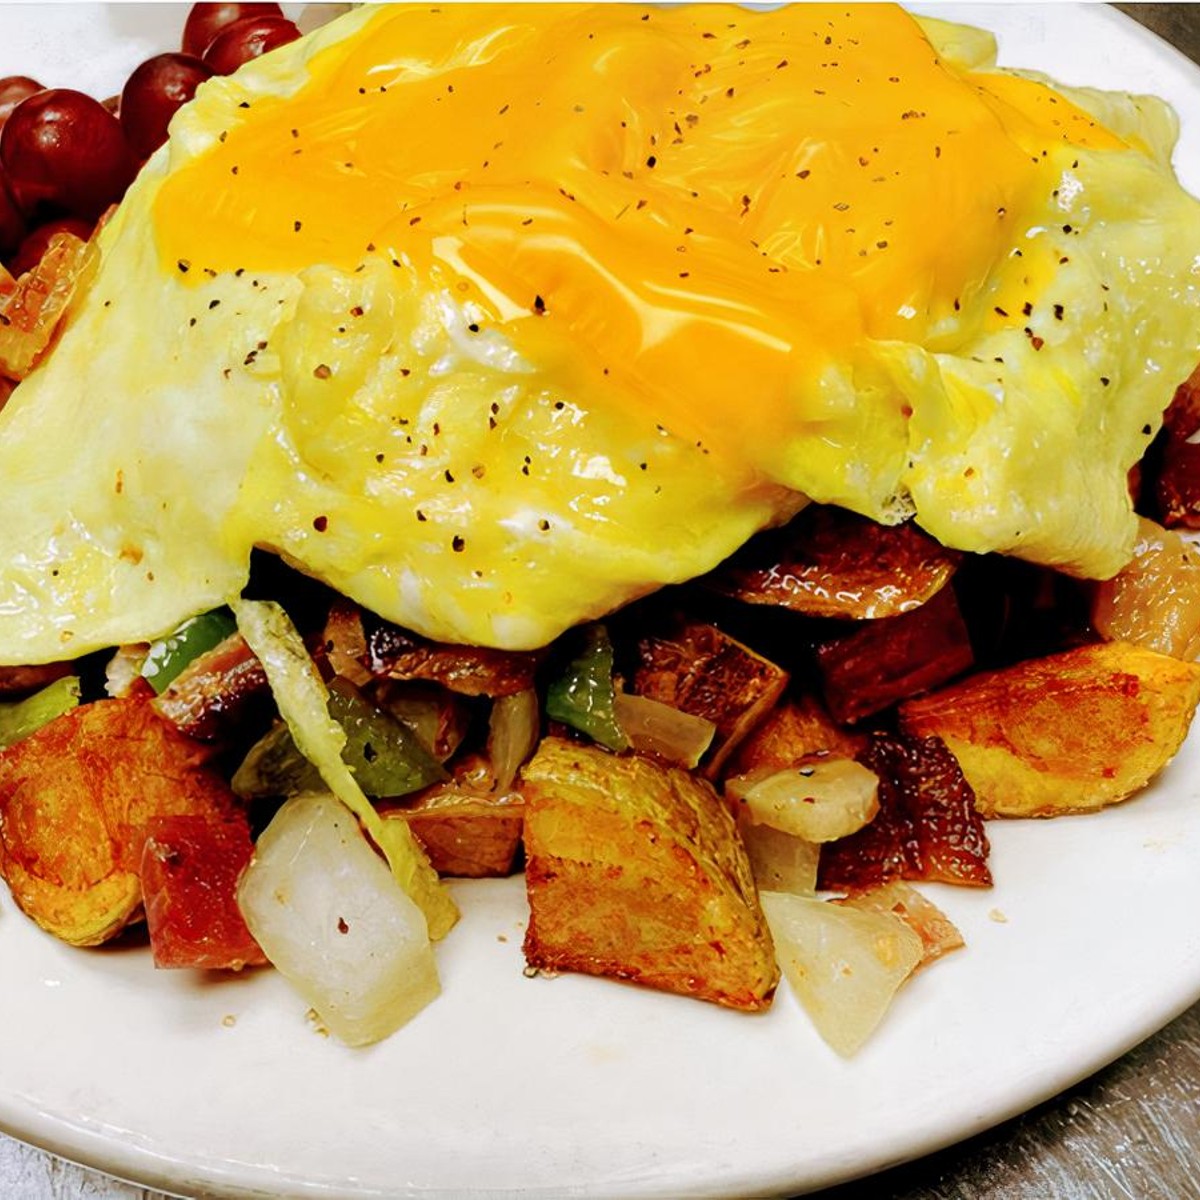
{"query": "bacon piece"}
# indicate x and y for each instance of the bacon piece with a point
(395, 653)
(880, 662)
(217, 693)
(829, 562)
(926, 828)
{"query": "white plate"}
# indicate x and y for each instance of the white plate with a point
(583, 1087)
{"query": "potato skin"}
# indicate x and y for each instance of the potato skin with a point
(701, 670)
(829, 562)
(634, 870)
(469, 826)
(1072, 732)
(76, 801)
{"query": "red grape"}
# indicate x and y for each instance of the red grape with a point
(153, 94)
(205, 21)
(38, 242)
(247, 39)
(64, 153)
(12, 224)
(14, 89)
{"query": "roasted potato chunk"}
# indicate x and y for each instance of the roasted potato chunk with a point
(702, 671)
(469, 825)
(634, 870)
(76, 801)
(1072, 732)
(880, 662)
(829, 562)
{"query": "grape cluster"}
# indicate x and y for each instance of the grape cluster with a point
(65, 156)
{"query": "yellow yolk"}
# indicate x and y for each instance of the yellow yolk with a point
(699, 202)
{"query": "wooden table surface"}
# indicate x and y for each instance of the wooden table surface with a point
(1130, 1131)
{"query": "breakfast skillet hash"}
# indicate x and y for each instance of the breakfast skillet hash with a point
(700, 456)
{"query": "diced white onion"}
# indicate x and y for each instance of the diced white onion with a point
(303, 702)
(844, 965)
(819, 799)
(124, 669)
(780, 862)
(512, 734)
(656, 728)
(330, 916)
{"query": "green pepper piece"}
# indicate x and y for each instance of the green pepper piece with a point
(168, 656)
(20, 718)
(387, 758)
(584, 695)
(274, 766)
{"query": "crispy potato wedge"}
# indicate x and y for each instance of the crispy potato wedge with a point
(702, 671)
(828, 562)
(1072, 732)
(76, 800)
(634, 870)
(468, 825)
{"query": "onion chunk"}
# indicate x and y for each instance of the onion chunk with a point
(845, 965)
(332, 919)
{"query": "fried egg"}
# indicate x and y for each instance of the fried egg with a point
(497, 317)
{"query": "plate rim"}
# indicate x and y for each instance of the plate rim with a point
(128, 1162)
